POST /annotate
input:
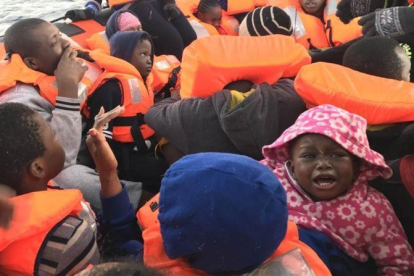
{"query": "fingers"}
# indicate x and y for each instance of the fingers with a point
(367, 18)
(103, 118)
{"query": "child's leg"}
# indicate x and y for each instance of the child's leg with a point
(166, 38)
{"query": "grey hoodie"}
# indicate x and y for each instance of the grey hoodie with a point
(208, 125)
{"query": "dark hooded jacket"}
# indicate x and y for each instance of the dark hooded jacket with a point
(209, 125)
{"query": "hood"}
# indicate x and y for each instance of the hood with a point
(223, 213)
(122, 44)
(112, 23)
(347, 129)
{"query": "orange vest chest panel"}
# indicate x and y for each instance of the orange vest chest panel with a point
(15, 70)
(32, 221)
(137, 97)
(155, 256)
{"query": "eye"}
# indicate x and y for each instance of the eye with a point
(308, 155)
(338, 155)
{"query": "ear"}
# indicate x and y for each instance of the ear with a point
(31, 63)
(37, 168)
(292, 169)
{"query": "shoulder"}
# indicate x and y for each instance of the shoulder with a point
(71, 246)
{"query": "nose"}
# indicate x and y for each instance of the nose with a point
(65, 43)
(149, 61)
(323, 163)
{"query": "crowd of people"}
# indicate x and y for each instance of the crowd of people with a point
(210, 137)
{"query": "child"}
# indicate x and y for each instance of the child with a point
(209, 11)
(44, 73)
(324, 162)
(127, 82)
(313, 7)
(121, 21)
(54, 228)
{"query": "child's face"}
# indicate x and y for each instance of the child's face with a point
(212, 16)
(141, 58)
(312, 7)
(51, 48)
(323, 168)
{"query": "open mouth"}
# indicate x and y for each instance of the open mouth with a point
(310, 5)
(324, 182)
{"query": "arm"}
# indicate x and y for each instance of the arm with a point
(164, 118)
(65, 119)
(118, 213)
(388, 245)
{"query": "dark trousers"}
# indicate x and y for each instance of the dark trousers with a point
(169, 37)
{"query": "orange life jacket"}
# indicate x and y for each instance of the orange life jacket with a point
(228, 26)
(338, 32)
(378, 100)
(155, 256)
(112, 3)
(165, 66)
(241, 6)
(35, 214)
(137, 96)
(15, 70)
(210, 63)
(311, 31)
(87, 28)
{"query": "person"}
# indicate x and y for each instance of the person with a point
(378, 56)
(43, 72)
(54, 227)
(166, 24)
(313, 7)
(209, 11)
(267, 20)
(121, 21)
(240, 119)
(131, 140)
(395, 21)
(92, 8)
(324, 162)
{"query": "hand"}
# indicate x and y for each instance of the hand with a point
(99, 148)
(171, 11)
(69, 73)
(77, 15)
(388, 22)
(349, 9)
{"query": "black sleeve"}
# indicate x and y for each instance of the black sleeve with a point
(107, 96)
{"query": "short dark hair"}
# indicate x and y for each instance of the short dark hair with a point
(20, 142)
(375, 56)
(205, 5)
(21, 38)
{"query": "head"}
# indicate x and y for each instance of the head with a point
(327, 151)
(38, 42)
(267, 20)
(378, 56)
(27, 142)
(209, 11)
(322, 167)
(135, 48)
(313, 7)
(233, 199)
(121, 21)
(240, 86)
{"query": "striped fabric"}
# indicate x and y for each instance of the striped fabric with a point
(69, 248)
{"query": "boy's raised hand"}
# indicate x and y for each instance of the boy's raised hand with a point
(102, 154)
(69, 73)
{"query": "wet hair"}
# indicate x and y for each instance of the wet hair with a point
(205, 5)
(240, 86)
(375, 56)
(125, 269)
(20, 142)
(21, 37)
